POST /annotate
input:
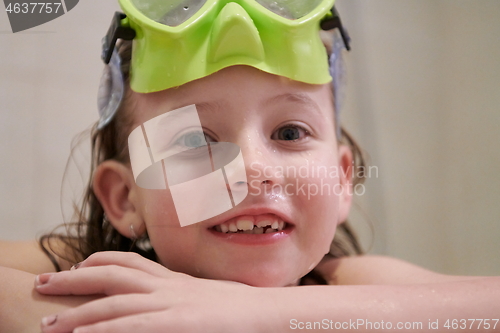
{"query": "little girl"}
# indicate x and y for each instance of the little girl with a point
(235, 96)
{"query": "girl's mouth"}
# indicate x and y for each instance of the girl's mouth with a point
(252, 224)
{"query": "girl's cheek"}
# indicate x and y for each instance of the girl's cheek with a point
(159, 208)
(317, 193)
(314, 180)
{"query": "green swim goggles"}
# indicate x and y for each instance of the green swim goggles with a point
(178, 41)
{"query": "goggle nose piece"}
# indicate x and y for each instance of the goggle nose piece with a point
(234, 34)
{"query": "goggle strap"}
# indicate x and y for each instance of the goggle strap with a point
(116, 30)
(334, 22)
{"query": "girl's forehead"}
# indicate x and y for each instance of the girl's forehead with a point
(237, 87)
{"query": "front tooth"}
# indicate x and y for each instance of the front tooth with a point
(224, 228)
(281, 225)
(269, 230)
(245, 225)
(258, 230)
(248, 232)
(275, 225)
(263, 223)
(232, 227)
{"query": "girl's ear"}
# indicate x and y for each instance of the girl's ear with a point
(345, 179)
(115, 188)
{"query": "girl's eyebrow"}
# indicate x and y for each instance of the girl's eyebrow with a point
(299, 98)
(210, 106)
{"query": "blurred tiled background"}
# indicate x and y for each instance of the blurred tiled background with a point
(423, 99)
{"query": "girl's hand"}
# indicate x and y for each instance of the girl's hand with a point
(143, 296)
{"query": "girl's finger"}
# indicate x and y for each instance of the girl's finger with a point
(104, 309)
(126, 259)
(102, 280)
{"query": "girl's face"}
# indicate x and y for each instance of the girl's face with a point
(286, 133)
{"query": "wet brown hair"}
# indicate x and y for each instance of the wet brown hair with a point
(91, 232)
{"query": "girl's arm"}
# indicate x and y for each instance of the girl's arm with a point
(22, 308)
(146, 295)
(376, 270)
(468, 305)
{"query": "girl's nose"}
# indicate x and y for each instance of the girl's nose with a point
(260, 165)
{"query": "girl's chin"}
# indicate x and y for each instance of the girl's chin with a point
(256, 279)
(274, 284)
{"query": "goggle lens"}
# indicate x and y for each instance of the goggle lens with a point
(290, 9)
(171, 13)
(175, 12)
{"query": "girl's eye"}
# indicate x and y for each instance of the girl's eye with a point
(194, 139)
(290, 133)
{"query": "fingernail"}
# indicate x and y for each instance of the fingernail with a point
(49, 320)
(75, 266)
(42, 279)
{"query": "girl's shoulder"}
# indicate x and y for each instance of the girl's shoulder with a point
(376, 269)
(28, 256)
